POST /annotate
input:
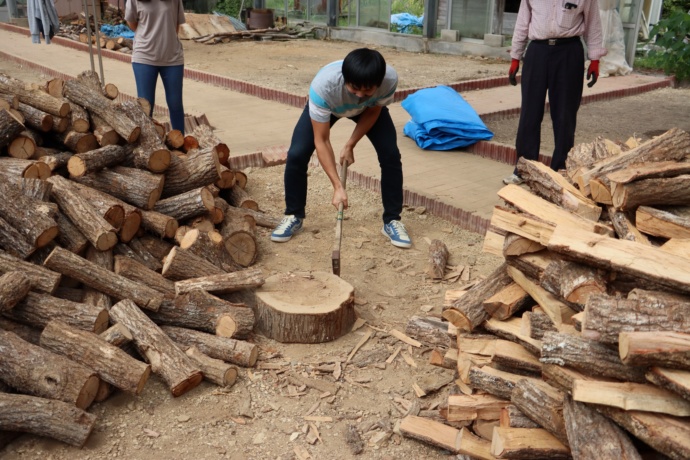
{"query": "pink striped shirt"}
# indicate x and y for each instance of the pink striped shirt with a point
(544, 19)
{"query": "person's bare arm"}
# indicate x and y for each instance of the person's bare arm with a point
(364, 124)
(324, 151)
(133, 25)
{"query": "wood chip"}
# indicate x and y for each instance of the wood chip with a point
(359, 322)
(317, 418)
(391, 358)
(402, 337)
(302, 453)
(418, 391)
(408, 359)
(361, 342)
(313, 408)
(338, 371)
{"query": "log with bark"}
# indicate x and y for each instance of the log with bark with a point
(165, 357)
(438, 258)
(33, 97)
(32, 218)
(207, 139)
(93, 296)
(95, 160)
(10, 128)
(527, 444)
(149, 151)
(431, 331)
(238, 197)
(198, 170)
(229, 350)
(136, 271)
(239, 239)
(223, 283)
(85, 96)
(83, 214)
(79, 118)
(543, 404)
(42, 279)
(102, 279)
(663, 222)
(104, 133)
(111, 363)
(45, 417)
(37, 119)
(39, 372)
(186, 205)
(214, 370)
(208, 245)
(14, 286)
(666, 349)
(181, 264)
(134, 186)
(78, 142)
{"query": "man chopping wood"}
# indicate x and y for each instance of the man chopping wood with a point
(554, 62)
(359, 88)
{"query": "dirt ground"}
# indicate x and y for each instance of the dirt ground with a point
(262, 416)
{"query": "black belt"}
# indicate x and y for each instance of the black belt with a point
(556, 41)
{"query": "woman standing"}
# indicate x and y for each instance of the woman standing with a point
(158, 51)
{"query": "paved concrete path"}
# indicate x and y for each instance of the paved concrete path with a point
(456, 185)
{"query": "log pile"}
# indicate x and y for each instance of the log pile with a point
(116, 261)
(578, 345)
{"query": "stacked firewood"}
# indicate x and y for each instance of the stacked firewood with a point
(578, 345)
(125, 250)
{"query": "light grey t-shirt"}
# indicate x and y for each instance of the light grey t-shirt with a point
(155, 40)
(328, 95)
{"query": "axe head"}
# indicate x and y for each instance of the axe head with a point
(335, 259)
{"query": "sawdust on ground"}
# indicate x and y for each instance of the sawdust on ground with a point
(263, 415)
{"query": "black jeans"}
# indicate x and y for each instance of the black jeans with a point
(384, 139)
(558, 70)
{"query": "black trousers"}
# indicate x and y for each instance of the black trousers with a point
(558, 70)
(384, 139)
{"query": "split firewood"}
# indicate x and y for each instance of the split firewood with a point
(14, 286)
(663, 222)
(511, 330)
(539, 323)
(181, 264)
(429, 431)
(558, 311)
(587, 356)
(631, 396)
(673, 380)
(468, 311)
(438, 258)
(111, 363)
(543, 404)
(229, 350)
(105, 281)
(149, 151)
(202, 311)
(447, 360)
(83, 214)
(37, 119)
(42, 279)
(660, 348)
(606, 317)
(34, 97)
(512, 417)
(134, 186)
(552, 186)
(471, 407)
(516, 245)
(165, 357)
(431, 331)
(39, 372)
(573, 282)
(493, 381)
(506, 302)
(527, 443)
(38, 309)
(198, 170)
(45, 417)
(661, 191)
(85, 96)
(186, 205)
(214, 370)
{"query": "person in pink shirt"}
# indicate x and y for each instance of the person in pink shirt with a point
(548, 38)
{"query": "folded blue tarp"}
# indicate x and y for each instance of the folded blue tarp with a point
(443, 120)
(120, 30)
(405, 22)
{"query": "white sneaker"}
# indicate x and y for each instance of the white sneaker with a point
(513, 179)
(289, 226)
(396, 232)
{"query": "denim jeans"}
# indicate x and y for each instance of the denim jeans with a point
(146, 77)
(384, 139)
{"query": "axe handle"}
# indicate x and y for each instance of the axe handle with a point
(335, 256)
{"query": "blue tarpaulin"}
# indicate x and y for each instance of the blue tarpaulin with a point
(117, 31)
(443, 120)
(405, 22)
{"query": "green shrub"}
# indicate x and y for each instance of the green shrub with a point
(672, 51)
(230, 7)
(415, 7)
(671, 6)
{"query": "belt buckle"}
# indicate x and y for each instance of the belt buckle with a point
(552, 41)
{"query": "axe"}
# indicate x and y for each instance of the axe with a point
(335, 256)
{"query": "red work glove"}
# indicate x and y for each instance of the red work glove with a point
(593, 73)
(514, 66)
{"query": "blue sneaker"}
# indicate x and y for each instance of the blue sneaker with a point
(289, 226)
(395, 230)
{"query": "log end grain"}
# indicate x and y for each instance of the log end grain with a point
(76, 166)
(159, 160)
(47, 236)
(226, 326)
(314, 309)
(88, 392)
(64, 109)
(242, 247)
(106, 241)
(130, 227)
(102, 322)
(230, 377)
(144, 378)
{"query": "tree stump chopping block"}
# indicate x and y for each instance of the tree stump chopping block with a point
(313, 308)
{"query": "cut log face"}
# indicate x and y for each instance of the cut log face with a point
(314, 309)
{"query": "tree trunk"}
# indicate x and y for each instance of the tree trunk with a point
(83, 215)
(149, 152)
(655, 348)
(293, 309)
(14, 286)
(105, 281)
(468, 311)
(42, 279)
(587, 356)
(181, 264)
(214, 370)
(167, 360)
(196, 171)
(229, 350)
(45, 417)
(134, 186)
(81, 94)
(223, 283)
(186, 205)
(95, 160)
(34, 97)
(39, 372)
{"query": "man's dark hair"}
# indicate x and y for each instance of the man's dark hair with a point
(364, 68)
